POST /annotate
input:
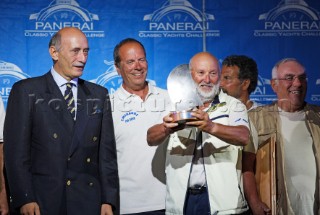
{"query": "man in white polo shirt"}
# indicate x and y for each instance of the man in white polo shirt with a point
(137, 106)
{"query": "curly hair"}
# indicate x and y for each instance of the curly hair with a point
(248, 69)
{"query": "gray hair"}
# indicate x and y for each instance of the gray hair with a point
(56, 41)
(282, 61)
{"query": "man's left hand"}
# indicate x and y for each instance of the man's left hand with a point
(106, 209)
(202, 121)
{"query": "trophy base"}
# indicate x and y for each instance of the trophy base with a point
(182, 116)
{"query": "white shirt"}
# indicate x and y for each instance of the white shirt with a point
(197, 176)
(61, 82)
(300, 163)
(141, 167)
(221, 161)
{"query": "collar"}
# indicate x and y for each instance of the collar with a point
(61, 80)
(218, 101)
(215, 100)
(123, 94)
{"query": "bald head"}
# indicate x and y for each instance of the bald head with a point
(205, 72)
(69, 51)
(204, 59)
(65, 33)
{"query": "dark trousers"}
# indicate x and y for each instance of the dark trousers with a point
(158, 212)
(197, 204)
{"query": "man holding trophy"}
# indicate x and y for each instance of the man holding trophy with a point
(203, 166)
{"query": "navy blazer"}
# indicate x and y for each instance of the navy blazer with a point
(66, 167)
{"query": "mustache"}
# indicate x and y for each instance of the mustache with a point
(79, 64)
(208, 84)
(205, 84)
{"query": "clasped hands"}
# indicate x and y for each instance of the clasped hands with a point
(201, 120)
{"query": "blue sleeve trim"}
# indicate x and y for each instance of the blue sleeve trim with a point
(218, 117)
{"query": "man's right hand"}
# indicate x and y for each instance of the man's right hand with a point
(4, 208)
(31, 208)
(160, 132)
(259, 208)
(170, 126)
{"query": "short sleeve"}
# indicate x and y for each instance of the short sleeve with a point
(238, 115)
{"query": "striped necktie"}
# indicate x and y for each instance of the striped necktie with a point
(68, 96)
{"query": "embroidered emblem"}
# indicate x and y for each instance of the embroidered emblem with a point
(214, 107)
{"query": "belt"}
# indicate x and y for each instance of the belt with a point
(195, 190)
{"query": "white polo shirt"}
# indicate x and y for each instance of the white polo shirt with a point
(141, 167)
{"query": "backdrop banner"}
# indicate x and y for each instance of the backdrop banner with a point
(172, 31)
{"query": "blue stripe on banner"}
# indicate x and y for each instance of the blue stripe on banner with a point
(218, 117)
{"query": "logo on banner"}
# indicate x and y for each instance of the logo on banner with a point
(263, 92)
(290, 18)
(314, 97)
(111, 80)
(178, 18)
(9, 74)
(60, 14)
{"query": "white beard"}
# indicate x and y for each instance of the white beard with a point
(208, 96)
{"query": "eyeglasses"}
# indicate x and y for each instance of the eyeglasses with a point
(291, 78)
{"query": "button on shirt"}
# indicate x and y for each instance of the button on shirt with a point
(61, 82)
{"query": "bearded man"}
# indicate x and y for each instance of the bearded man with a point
(203, 165)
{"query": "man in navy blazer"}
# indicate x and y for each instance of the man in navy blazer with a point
(56, 163)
